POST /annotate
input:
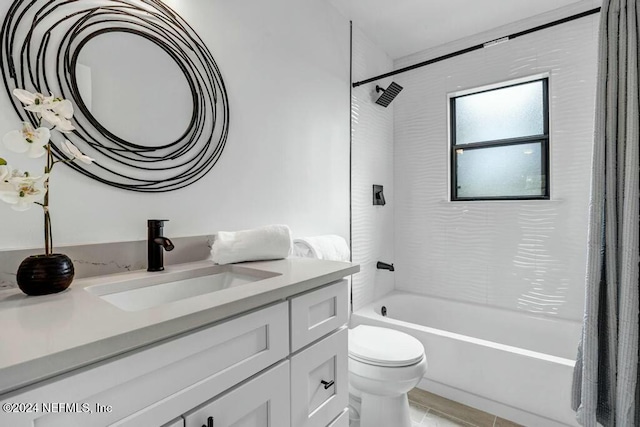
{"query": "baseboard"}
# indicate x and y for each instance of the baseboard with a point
(503, 411)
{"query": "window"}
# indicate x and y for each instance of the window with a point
(500, 143)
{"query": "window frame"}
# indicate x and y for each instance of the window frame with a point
(542, 139)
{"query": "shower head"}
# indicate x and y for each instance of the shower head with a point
(388, 94)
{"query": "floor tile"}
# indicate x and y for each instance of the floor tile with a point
(501, 422)
(417, 412)
(436, 419)
(453, 409)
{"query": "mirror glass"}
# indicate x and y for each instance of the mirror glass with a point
(134, 89)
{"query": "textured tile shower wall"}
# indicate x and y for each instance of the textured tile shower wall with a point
(527, 256)
(372, 163)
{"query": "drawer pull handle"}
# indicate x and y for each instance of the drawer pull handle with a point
(209, 422)
(327, 384)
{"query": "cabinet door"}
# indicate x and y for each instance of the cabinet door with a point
(179, 422)
(155, 385)
(342, 420)
(319, 382)
(318, 313)
(261, 402)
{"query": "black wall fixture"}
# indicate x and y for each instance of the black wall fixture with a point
(378, 195)
(388, 94)
(41, 41)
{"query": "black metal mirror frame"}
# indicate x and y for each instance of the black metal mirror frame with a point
(30, 34)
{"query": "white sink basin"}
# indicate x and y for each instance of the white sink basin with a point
(154, 289)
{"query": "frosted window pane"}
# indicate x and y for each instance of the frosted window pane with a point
(512, 170)
(509, 112)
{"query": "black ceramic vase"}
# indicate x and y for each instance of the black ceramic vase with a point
(45, 274)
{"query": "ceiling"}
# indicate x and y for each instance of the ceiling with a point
(402, 27)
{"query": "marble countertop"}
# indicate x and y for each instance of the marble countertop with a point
(44, 336)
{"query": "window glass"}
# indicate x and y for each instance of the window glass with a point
(509, 112)
(500, 143)
(502, 171)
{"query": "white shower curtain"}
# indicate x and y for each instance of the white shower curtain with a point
(605, 388)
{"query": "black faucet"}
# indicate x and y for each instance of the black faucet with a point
(384, 266)
(155, 243)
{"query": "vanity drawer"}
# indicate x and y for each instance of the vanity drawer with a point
(319, 382)
(317, 313)
(180, 423)
(155, 385)
(263, 401)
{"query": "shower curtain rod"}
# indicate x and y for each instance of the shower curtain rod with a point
(479, 46)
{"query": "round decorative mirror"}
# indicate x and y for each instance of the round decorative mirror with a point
(150, 103)
(125, 80)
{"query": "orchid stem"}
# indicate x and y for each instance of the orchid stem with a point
(48, 237)
(50, 234)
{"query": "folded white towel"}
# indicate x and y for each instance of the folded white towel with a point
(329, 247)
(269, 242)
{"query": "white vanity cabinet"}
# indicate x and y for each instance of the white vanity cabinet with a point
(310, 389)
(319, 388)
(319, 372)
(261, 402)
(284, 365)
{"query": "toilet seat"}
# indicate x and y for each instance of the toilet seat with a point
(384, 347)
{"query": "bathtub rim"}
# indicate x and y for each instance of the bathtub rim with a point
(369, 311)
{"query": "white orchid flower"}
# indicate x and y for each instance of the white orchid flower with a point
(5, 173)
(73, 152)
(58, 120)
(56, 111)
(28, 140)
(7, 192)
(22, 191)
(63, 107)
(35, 102)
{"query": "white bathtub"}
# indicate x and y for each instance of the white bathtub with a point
(513, 364)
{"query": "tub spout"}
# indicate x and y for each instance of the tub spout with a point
(384, 266)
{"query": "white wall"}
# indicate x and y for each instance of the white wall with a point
(527, 255)
(372, 144)
(286, 67)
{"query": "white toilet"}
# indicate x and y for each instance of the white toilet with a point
(384, 364)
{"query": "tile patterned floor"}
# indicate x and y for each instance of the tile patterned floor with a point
(430, 410)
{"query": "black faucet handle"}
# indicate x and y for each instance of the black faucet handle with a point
(155, 244)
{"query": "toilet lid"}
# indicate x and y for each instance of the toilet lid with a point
(384, 346)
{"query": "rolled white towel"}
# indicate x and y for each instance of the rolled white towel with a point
(258, 244)
(329, 247)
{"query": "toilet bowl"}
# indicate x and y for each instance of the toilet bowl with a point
(384, 364)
